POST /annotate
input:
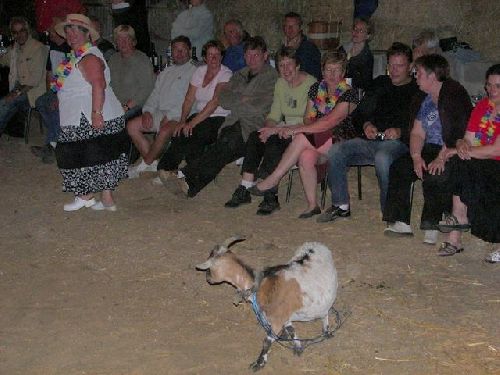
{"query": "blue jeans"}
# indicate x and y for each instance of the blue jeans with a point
(48, 107)
(11, 107)
(360, 151)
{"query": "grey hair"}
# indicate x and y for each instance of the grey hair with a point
(20, 20)
(427, 38)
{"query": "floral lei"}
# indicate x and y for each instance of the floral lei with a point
(64, 69)
(487, 127)
(329, 101)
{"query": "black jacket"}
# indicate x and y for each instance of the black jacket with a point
(454, 106)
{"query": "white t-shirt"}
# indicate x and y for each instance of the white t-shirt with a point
(205, 94)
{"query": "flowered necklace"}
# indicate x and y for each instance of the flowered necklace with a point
(487, 127)
(66, 66)
(323, 99)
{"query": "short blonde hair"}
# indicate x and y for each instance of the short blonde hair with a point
(125, 30)
(334, 57)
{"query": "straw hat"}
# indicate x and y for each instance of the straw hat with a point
(77, 20)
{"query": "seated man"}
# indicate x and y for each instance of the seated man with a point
(384, 114)
(26, 60)
(163, 107)
(248, 96)
(47, 104)
(233, 57)
(425, 43)
(307, 51)
(132, 76)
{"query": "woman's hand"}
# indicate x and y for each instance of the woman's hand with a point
(97, 121)
(265, 133)
(178, 128)
(463, 149)
(436, 166)
(187, 129)
(285, 132)
(419, 166)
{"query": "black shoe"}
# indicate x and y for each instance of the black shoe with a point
(254, 190)
(268, 205)
(240, 196)
(306, 215)
(332, 214)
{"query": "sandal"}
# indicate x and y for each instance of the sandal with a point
(447, 249)
(450, 223)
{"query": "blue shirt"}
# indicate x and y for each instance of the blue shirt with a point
(431, 123)
(233, 58)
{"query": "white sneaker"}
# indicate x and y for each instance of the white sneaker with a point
(79, 203)
(135, 170)
(493, 257)
(431, 237)
(99, 206)
(398, 229)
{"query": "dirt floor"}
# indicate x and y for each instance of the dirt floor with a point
(117, 293)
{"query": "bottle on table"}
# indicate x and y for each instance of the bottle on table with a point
(193, 54)
(169, 56)
(154, 58)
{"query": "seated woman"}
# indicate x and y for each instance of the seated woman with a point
(331, 101)
(264, 149)
(132, 75)
(475, 177)
(359, 56)
(441, 120)
(192, 134)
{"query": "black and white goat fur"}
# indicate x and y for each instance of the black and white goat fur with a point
(302, 290)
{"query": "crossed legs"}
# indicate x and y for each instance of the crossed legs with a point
(149, 150)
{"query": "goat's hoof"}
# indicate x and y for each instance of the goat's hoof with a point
(257, 365)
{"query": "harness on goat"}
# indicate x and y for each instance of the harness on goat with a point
(264, 323)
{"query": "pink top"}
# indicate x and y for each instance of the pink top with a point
(205, 94)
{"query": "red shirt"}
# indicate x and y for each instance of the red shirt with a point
(486, 127)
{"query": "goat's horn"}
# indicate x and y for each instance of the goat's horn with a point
(227, 243)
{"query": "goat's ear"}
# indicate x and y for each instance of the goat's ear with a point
(204, 266)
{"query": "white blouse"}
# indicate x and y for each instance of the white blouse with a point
(75, 97)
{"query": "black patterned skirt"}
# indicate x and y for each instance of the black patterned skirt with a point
(92, 160)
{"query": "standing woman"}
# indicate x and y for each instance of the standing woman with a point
(91, 149)
(359, 55)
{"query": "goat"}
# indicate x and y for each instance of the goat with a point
(302, 290)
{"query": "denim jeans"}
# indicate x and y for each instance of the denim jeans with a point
(48, 107)
(360, 151)
(11, 107)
